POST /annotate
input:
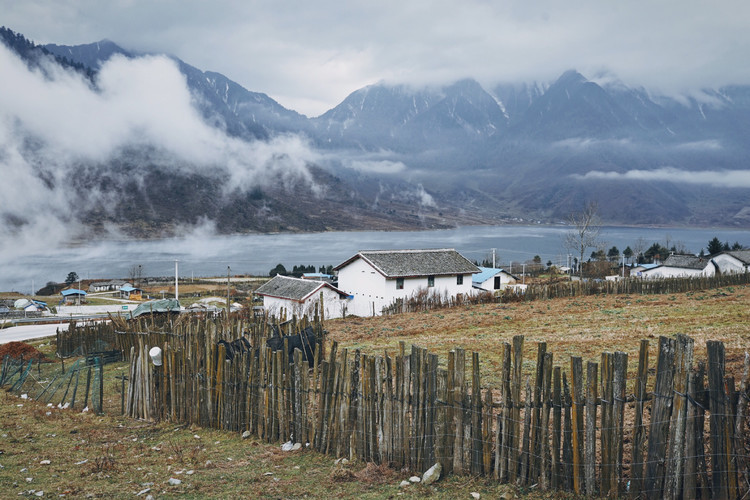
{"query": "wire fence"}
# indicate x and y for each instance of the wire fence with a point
(675, 429)
(80, 386)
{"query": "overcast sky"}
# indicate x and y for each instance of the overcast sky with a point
(310, 55)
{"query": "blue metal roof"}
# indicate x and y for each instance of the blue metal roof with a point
(648, 266)
(128, 288)
(72, 291)
(485, 274)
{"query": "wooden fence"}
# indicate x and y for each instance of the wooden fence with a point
(423, 301)
(591, 430)
(626, 286)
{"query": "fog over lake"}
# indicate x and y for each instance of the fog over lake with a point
(200, 255)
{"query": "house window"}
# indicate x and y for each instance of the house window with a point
(497, 282)
(460, 279)
(430, 281)
(399, 283)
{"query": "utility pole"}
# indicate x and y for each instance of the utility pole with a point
(228, 304)
(493, 258)
(176, 281)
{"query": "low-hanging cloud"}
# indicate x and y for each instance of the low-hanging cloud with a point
(590, 142)
(714, 178)
(55, 123)
(376, 166)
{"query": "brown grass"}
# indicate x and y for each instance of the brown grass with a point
(114, 457)
(580, 326)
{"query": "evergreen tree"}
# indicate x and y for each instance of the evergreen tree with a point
(613, 254)
(627, 253)
(72, 278)
(279, 269)
(656, 252)
(714, 246)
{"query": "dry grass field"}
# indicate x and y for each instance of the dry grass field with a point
(580, 326)
(109, 456)
(64, 453)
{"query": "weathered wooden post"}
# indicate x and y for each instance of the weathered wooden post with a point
(661, 407)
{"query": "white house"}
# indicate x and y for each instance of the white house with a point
(681, 266)
(300, 297)
(375, 279)
(491, 279)
(637, 271)
(732, 261)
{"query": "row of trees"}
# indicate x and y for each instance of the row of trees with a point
(298, 270)
(585, 231)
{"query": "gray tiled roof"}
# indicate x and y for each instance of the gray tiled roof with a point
(406, 263)
(741, 255)
(286, 287)
(686, 262)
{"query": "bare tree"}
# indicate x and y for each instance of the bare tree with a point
(584, 232)
(135, 273)
(638, 248)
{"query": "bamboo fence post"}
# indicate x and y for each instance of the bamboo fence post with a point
(503, 445)
(676, 451)
(417, 415)
(557, 404)
(431, 401)
(526, 446)
(342, 448)
(389, 411)
(458, 399)
(450, 428)
(639, 429)
(607, 395)
(740, 456)
(592, 370)
(476, 417)
(371, 411)
(620, 368)
(536, 416)
(487, 435)
(405, 406)
(576, 375)
(514, 459)
(567, 451)
(718, 423)
(661, 407)
(547, 401)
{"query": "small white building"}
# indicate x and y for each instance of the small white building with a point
(301, 297)
(492, 279)
(730, 262)
(376, 279)
(681, 266)
(107, 286)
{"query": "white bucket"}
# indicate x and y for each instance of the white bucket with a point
(155, 354)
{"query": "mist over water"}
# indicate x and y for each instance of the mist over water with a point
(203, 254)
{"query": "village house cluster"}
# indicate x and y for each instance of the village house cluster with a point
(372, 280)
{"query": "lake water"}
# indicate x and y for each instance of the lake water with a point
(257, 254)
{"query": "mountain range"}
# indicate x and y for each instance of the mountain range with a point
(398, 157)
